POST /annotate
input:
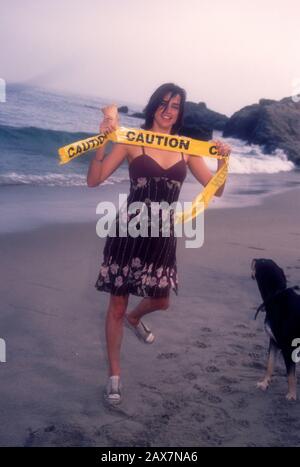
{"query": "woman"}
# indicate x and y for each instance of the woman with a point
(144, 266)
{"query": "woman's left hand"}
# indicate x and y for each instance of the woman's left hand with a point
(222, 148)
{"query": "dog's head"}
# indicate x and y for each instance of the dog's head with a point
(269, 276)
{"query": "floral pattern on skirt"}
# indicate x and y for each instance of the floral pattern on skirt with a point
(138, 278)
(142, 266)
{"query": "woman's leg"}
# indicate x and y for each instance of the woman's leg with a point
(147, 305)
(114, 331)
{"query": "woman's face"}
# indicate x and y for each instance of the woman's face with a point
(166, 114)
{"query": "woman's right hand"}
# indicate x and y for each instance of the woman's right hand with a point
(107, 125)
(110, 120)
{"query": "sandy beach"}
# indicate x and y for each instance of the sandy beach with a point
(194, 386)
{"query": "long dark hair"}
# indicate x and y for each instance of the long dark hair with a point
(156, 100)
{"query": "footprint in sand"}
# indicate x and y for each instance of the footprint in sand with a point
(259, 347)
(243, 423)
(125, 433)
(241, 326)
(63, 435)
(254, 355)
(237, 347)
(201, 390)
(171, 408)
(256, 365)
(231, 363)
(205, 329)
(212, 369)
(206, 395)
(200, 418)
(214, 399)
(201, 345)
(227, 380)
(241, 403)
(167, 355)
(227, 390)
(190, 376)
(148, 386)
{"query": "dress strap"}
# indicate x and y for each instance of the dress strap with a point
(182, 156)
(143, 150)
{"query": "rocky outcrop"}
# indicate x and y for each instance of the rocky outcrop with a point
(271, 124)
(123, 109)
(199, 121)
(201, 115)
(138, 115)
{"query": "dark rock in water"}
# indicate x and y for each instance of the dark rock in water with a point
(199, 121)
(123, 109)
(200, 115)
(138, 115)
(270, 123)
(195, 129)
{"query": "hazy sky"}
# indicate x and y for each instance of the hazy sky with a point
(227, 53)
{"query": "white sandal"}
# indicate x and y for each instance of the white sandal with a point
(141, 330)
(113, 393)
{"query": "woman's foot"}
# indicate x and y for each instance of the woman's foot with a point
(113, 393)
(139, 328)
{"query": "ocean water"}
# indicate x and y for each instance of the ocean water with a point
(36, 189)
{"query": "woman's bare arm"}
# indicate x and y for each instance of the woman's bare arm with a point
(200, 170)
(100, 171)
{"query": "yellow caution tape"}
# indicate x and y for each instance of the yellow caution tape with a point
(202, 200)
(175, 143)
(139, 137)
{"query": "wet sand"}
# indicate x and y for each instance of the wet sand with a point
(194, 386)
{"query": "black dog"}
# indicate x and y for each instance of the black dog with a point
(282, 321)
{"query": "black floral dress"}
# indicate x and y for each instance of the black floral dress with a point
(144, 265)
